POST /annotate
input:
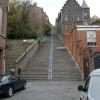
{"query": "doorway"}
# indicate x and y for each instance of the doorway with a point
(97, 62)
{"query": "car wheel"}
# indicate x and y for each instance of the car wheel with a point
(10, 92)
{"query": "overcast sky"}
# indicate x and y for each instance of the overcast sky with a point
(52, 7)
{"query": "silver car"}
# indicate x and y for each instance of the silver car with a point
(91, 90)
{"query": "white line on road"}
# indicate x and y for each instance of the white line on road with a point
(50, 60)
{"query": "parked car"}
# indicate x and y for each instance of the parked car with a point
(91, 90)
(9, 84)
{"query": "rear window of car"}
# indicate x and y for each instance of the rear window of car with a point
(4, 78)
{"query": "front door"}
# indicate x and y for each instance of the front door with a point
(97, 62)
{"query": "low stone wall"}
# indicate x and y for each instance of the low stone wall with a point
(23, 59)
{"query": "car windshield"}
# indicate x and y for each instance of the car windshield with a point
(95, 88)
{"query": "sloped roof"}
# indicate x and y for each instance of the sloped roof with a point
(84, 5)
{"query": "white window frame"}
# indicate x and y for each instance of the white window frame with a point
(1, 19)
(91, 38)
(78, 18)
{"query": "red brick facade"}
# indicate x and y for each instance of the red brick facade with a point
(3, 4)
(83, 55)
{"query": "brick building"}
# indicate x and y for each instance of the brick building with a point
(84, 45)
(80, 37)
(3, 27)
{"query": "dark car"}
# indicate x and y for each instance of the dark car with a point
(9, 84)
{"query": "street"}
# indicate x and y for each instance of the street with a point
(48, 90)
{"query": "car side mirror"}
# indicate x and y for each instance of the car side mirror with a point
(80, 88)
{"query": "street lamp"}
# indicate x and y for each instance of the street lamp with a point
(24, 43)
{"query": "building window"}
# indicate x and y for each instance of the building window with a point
(85, 14)
(66, 18)
(78, 18)
(1, 18)
(91, 38)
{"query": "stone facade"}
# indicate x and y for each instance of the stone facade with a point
(80, 37)
(73, 14)
(3, 27)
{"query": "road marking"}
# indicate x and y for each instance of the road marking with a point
(50, 60)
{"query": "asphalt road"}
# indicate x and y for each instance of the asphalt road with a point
(48, 90)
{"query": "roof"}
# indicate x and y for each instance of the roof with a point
(84, 5)
(95, 72)
(88, 27)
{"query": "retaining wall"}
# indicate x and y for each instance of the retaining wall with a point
(23, 59)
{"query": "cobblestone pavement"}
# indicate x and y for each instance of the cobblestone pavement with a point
(48, 90)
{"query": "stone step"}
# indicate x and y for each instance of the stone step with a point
(40, 63)
(65, 78)
(65, 68)
(35, 72)
(53, 79)
(34, 75)
(34, 78)
(65, 73)
(35, 69)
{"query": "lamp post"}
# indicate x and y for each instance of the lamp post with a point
(24, 43)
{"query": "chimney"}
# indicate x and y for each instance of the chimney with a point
(35, 4)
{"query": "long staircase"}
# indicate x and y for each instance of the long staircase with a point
(63, 66)
(37, 67)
